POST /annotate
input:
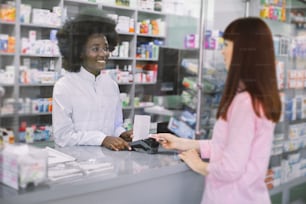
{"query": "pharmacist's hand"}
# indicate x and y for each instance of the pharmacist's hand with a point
(127, 135)
(194, 161)
(168, 141)
(115, 143)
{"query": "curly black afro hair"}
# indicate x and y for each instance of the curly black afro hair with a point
(74, 34)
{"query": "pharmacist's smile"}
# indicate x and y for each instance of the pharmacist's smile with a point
(101, 62)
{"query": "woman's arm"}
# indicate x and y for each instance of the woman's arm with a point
(170, 141)
(193, 160)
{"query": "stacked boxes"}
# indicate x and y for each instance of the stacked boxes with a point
(22, 166)
(296, 78)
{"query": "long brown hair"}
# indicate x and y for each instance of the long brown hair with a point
(253, 63)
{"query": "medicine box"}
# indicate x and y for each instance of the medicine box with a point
(22, 165)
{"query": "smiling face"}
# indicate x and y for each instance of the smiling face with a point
(228, 53)
(95, 54)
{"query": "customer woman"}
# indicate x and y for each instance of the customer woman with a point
(239, 150)
(86, 103)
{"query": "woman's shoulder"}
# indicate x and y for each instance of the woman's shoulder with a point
(65, 81)
(61, 80)
(243, 98)
(243, 101)
(241, 104)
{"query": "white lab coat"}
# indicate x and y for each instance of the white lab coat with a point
(86, 109)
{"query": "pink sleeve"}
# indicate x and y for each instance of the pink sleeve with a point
(205, 148)
(241, 129)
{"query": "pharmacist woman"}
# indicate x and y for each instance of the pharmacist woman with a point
(86, 104)
(240, 147)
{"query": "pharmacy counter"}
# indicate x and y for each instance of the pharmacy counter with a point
(135, 178)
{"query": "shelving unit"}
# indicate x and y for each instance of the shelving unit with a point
(285, 189)
(42, 89)
(288, 161)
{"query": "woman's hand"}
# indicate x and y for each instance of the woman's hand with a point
(168, 141)
(127, 135)
(194, 161)
(115, 143)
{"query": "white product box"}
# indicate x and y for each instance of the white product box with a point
(40, 16)
(299, 74)
(123, 24)
(25, 13)
(9, 74)
(23, 165)
(3, 42)
(32, 36)
(293, 132)
(292, 74)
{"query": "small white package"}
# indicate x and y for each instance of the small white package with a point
(22, 165)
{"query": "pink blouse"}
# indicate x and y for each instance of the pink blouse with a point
(239, 153)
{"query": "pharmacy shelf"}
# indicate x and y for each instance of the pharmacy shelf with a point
(286, 30)
(159, 110)
(20, 30)
(7, 54)
(127, 108)
(126, 33)
(150, 36)
(138, 107)
(121, 58)
(78, 2)
(292, 122)
(35, 85)
(115, 7)
(158, 13)
(286, 187)
(39, 25)
(145, 83)
(7, 115)
(38, 55)
(127, 83)
(146, 59)
(7, 85)
(7, 22)
(35, 114)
